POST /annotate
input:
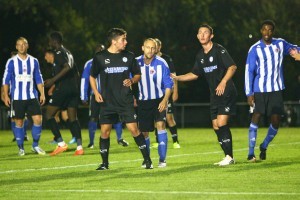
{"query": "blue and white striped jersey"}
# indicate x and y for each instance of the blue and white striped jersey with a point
(22, 75)
(155, 78)
(264, 70)
(85, 81)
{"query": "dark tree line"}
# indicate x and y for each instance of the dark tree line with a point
(175, 22)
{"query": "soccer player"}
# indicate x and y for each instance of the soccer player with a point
(12, 121)
(155, 88)
(216, 65)
(65, 95)
(94, 107)
(49, 57)
(22, 76)
(170, 110)
(264, 84)
(115, 65)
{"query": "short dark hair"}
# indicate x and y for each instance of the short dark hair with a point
(114, 33)
(99, 47)
(207, 26)
(57, 36)
(268, 22)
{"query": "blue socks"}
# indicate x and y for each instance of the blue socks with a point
(13, 126)
(270, 135)
(25, 125)
(119, 130)
(36, 134)
(19, 134)
(92, 129)
(162, 144)
(252, 138)
(147, 140)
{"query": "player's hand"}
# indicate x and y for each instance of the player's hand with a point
(162, 106)
(221, 88)
(98, 98)
(6, 100)
(135, 104)
(48, 83)
(127, 82)
(295, 54)
(42, 100)
(173, 76)
(250, 100)
(51, 89)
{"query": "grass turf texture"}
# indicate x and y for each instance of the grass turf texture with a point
(190, 173)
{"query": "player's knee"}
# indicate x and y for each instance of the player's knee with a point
(255, 118)
(37, 120)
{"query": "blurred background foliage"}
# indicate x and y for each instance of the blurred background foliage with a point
(85, 24)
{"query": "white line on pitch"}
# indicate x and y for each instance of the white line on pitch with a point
(168, 192)
(126, 161)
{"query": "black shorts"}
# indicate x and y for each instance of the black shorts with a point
(30, 107)
(148, 114)
(94, 108)
(269, 103)
(170, 109)
(223, 105)
(64, 98)
(113, 114)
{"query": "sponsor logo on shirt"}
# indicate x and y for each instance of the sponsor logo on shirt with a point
(202, 61)
(210, 68)
(211, 59)
(223, 51)
(115, 70)
(24, 77)
(227, 109)
(107, 61)
(125, 59)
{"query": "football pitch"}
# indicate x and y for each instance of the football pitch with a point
(190, 173)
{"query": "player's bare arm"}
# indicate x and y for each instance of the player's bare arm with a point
(175, 90)
(93, 84)
(222, 85)
(295, 54)
(48, 83)
(250, 100)
(164, 103)
(42, 93)
(6, 98)
(130, 82)
(186, 77)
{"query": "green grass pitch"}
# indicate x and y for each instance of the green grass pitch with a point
(190, 173)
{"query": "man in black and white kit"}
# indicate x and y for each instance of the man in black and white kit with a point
(115, 65)
(66, 93)
(216, 65)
